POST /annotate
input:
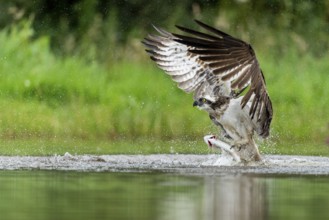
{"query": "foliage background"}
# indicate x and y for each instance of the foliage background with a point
(74, 75)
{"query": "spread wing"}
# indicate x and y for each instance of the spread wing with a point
(174, 58)
(217, 62)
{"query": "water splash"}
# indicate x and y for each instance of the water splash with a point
(186, 164)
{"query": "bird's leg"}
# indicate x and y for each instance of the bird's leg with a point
(247, 150)
(225, 137)
(223, 134)
(212, 141)
(239, 144)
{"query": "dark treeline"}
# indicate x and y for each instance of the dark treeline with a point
(96, 28)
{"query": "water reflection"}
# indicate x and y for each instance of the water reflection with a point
(235, 197)
(153, 196)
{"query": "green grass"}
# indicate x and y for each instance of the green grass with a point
(59, 146)
(51, 104)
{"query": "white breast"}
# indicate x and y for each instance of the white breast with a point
(236, 121)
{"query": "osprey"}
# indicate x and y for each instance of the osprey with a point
(227, 82)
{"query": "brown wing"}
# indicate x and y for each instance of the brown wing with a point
(174, 58)
(235, 61)
(213, 65)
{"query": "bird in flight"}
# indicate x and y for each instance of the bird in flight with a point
(226, 80)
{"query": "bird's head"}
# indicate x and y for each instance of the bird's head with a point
(204, 103)
(210, 105)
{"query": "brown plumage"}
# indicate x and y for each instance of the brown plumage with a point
(215, 65)
(224, 53)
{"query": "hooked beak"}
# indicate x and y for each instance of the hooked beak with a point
(195, 103)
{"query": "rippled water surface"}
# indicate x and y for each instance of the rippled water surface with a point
(107, 195)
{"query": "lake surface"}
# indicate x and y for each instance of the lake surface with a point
(161, 196)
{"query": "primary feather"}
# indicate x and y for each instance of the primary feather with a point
(214, 65)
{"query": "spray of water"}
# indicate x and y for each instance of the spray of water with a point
(187, 164)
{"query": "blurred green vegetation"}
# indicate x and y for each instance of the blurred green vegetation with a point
(79, 80)
(112, 29)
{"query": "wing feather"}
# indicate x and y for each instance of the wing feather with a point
(175, 59)
(245, 71)
(203, 63)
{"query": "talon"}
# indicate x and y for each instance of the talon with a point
(227, 136)
(234, 146)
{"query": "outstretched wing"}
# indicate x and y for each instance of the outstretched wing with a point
(203, 61)
(174, 58)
